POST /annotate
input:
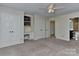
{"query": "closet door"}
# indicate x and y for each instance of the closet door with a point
(10, 28)
(47, 28)
(14, 28)
(43, 27)
(37, 27)
(4, 27)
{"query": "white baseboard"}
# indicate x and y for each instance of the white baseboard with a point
(11, 43)
(62, 39)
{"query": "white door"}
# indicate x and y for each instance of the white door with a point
(37, 27)
(10, 27)
(43, 24)
(47, 28)
(14, 27)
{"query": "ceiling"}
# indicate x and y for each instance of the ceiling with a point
(41, 8)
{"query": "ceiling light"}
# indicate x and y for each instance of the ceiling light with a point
(53, 11)
(50, 10)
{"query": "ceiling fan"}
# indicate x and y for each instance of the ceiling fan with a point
(52, 8)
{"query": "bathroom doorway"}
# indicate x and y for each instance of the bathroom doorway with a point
(52, 28)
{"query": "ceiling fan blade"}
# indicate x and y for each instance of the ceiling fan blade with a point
(51, 6)
(58, 8)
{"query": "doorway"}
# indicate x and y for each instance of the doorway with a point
(74, 28)
(52, 28)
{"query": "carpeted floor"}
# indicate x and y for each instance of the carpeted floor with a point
(43, 47)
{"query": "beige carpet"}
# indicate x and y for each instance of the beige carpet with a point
(43, 47)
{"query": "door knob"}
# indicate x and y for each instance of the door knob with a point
(11, 31)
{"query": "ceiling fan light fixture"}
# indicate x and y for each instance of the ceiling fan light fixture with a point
(50, 10)
(53, 11)
(50, 6)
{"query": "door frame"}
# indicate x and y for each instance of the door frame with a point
(53, 21)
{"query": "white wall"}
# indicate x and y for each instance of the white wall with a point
(0, 26)
(11, 19)
(70, 24)
(62, 25)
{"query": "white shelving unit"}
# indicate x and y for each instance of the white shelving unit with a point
(28, 23)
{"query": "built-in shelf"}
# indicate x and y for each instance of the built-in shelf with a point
(26, 36)
(27, 21)
(27, 25)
